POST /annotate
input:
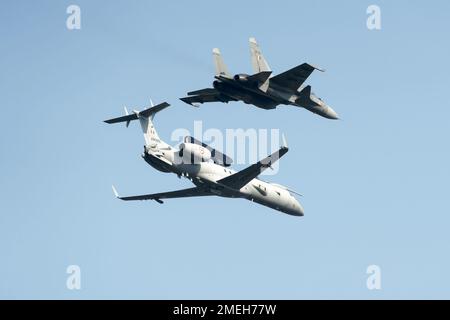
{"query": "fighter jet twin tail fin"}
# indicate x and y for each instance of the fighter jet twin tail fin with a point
(221, 68)
(259, 63)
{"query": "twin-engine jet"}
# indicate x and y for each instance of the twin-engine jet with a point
(208, 169)
(262, 89)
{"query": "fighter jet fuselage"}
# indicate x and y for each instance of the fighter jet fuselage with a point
(261, 89)
(239, 88)
(248, 93)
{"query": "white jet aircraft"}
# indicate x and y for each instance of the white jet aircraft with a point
(207, 168)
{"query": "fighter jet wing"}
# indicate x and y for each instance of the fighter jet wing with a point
(205, 91)
(184, 193)
(295, 77)
(206, 95)
(239, 179)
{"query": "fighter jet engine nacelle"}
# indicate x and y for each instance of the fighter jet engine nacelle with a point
(241, 77)
(194, 153)
(216, 84)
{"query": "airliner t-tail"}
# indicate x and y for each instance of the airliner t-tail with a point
(208, 169)
(261, 89)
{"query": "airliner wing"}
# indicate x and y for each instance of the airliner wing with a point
(184, 193)
(239, 179)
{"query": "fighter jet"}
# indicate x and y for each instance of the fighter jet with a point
(262, 89)
(208, 169)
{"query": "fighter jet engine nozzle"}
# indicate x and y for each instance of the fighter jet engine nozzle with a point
(193, 153)
(241, 77)
(216, 84)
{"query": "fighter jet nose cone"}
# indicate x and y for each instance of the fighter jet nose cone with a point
(332, 114)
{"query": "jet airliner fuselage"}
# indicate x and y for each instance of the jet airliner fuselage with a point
(208, 170)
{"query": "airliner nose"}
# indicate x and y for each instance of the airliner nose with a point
(300, 210)
(296, 209)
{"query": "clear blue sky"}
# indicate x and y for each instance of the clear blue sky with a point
(375, 184)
